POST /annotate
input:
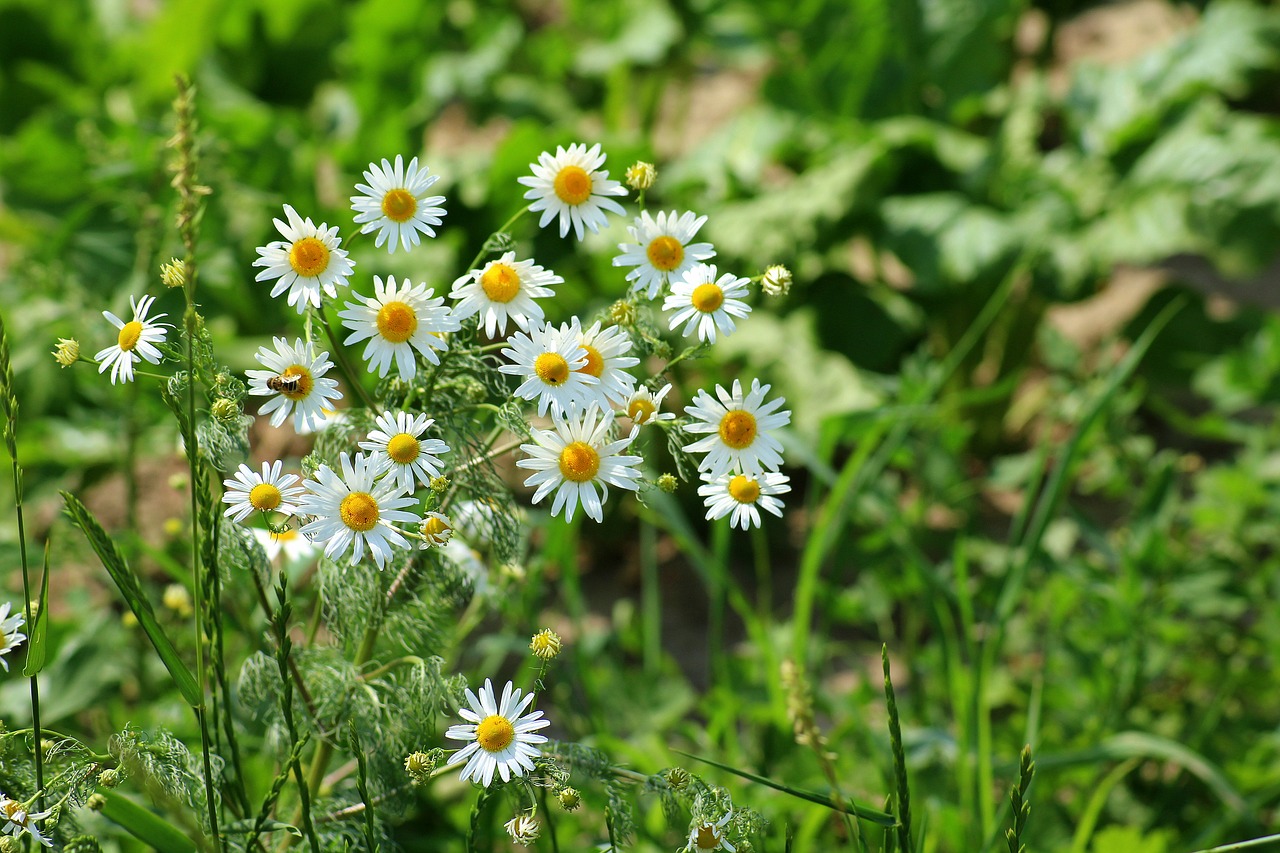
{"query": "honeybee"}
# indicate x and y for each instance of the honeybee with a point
(285, 384)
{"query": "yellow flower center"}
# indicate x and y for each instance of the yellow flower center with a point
(579, 462)
(309, 257)
(359, 511)
(265, 497)
(551, 368)
(744, 489)
(129, 335)
(738, 429)
(397, 322)
(573, 185)
(595, 362)
(305, 384)
(495, 733)
(708, 837)
(665, 253)
(641, 409)
(13, 811)
(285, 535)
(501, 283)
(707, 297)
(399, 205)
(434, 527)
(403, 448)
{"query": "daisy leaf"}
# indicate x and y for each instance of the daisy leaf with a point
(36, 646)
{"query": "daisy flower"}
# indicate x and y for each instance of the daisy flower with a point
(398, 446)
(606, 361)
(137, 340)
(305, 263)
(18, 820)
(570, 186)
(551, 362)
(502, 736)
(705, 303)
(353, 511)
(294, 382)
(10, 636)
(739, 428)
(293, 545)
(269, 491)
(741, 494)
(573, 459)
(397, 320)
(662, 252)
(708, 836)
(643, 406)
(436, 530)
(503, 289)
(396, 205)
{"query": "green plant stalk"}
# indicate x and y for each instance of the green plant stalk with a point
(280, 622)
(1268, 841)
(340, 356)
(899, 758)
(650, 599)
(362, 785)
(719, 586)
(502, 229)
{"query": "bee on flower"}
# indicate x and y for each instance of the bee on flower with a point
(295, 381)
(135, 342)
(394, 202)
(572, 187)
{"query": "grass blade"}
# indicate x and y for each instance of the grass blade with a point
(899, 759)
(37, 646)
(144, 825)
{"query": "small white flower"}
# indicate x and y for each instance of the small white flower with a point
(573, 459)
(353, 511)
(551, 362)
(606, 361)
(501, 735)
(740, 426)
(643, 407)
(776, 280)
(294, 382)
(305, 263)
(293, 545)
(10, 636)
(739, 495)
(436, 530)
(397, 320)
(396, 205)
(571, 186)
(398, 445)
(704, 303)
(523, 829)
(18, 820)
(502, 289)
(706, 837)
(662, 252)
(270, 491)
(136, 341)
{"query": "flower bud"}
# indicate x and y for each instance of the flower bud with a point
(569, 799)
(545, 644)
(776, 280)
(668, 483)
(641, 175)
(523, 829)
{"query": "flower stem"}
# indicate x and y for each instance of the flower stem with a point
(340, 356)
(484, 250)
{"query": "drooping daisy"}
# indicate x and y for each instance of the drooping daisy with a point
(571, 185)
(397, 444)
(10, 636)
(137, 340)
(643, 407)
(270, 491)
(606, 361)
(706, 837)
(739, 495)
(18, 820)
(306, 262)
(397, 320)
(573, 459)
(353, 511)
(524, 829)
(550, 362)
(662, 252)
(739, 428)
(704, 303)
(436, 530)
(396, 204)
(293, 545)
(502, 289)
(501, 735)
(294, 381)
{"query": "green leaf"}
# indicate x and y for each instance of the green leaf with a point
(248, 826)
(144, 825)
(113, 561)
(37, 640)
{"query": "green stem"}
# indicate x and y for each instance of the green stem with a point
(484, 250)
(37, 751)
(340, 356)
(650, 598)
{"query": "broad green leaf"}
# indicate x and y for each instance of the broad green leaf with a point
(247, 827)
(145, 825)
(37, 638)
(946, 239)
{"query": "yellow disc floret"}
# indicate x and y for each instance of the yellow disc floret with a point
(595, 362)
(434, 527)
(359, 511)
(744, 489)
(738, 429)
(579, 462)
(665, 253)
(708, 837)
(397, 322)
(305, 382)
(495, 733)
(641, 409)
(707, 298)
(500, 282)
(129, 335)
(309, 257)
(403, 448)
(573, 185)
(265, 497)
(399, 205)
(551, 368)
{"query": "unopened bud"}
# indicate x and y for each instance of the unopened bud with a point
(668, 483)
(109, 778)
(623, 313)
(225, 409)
(68, 351)
(545, 644)
(173, 273)
(570, 799)
(641, 175)
(776, 280)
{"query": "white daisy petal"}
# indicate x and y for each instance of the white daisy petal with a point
(306, 263)
(739, 430)
(705, 304)
(501, 290)
(574, 456)
(741, 496)
(397, 320)
(571, 186)
(662, 251)
(355, 509)
(134, 343)
(499, 734)
(396, 205)
(553, 366)
(397, 444)
(248, 492)
(294, 379)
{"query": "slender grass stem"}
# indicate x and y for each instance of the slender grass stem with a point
(340, 357)
(502, 229)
